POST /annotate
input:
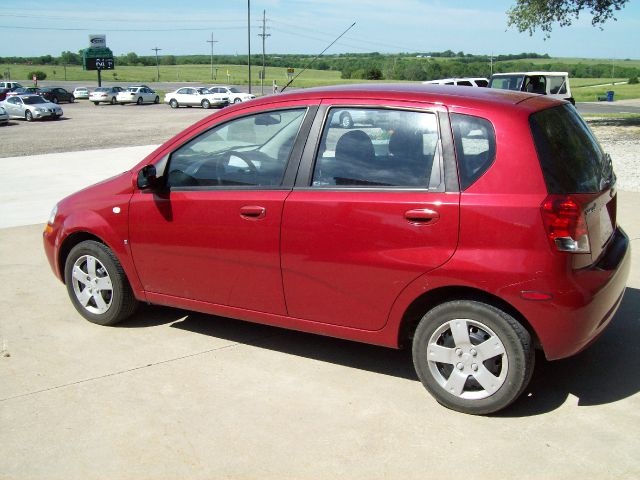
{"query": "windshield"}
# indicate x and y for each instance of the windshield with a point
(507, 82)
(571, 158)
(33, 100)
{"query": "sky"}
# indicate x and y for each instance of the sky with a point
(33, 28)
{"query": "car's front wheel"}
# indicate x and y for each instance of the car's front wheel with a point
(54, 99)
(113, 100)
(237, 100)
(28, 116)
(472, 357)
(97, 284)
(72, 99)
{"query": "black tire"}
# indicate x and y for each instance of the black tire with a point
(237, 100)
(205, 104)
(54, 99)
(119, 298)
(72, 99)
(345, 120)
(139, 102)
(156, 100)
(173, 103)
(113, 100)
(98, 103)
(505, 368)
(28, 116)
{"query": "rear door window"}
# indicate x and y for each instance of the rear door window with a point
(381, 148)
(475, 142)
(571, 158)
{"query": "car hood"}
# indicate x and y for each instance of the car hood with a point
(98, 193)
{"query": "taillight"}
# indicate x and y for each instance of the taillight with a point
(565, 224)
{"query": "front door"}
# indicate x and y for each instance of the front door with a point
(213, 234)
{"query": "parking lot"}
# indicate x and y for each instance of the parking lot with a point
(86, 126)
(174, 394)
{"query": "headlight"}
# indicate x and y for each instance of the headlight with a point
(39, 110)
(53, 214)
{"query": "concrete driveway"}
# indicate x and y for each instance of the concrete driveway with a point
(172, 394)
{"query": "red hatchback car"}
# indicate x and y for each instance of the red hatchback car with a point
(473, 225)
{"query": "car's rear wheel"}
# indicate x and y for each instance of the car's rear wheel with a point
(72, 99)
(346, 121)
(28, 116)
(472, 357)
(173, 103)
(139, 102)
(113, 100)
(97, 103)
(97, 285)
(205, 104)
(156, 100)
(54, 99)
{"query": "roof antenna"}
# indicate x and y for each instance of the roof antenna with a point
(316, 57)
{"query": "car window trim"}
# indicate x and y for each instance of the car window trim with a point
(449, 180)
(288, 178)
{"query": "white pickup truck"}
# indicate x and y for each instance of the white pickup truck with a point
(554, 84)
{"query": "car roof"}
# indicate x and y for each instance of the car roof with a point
(530, 73)
(461, 96)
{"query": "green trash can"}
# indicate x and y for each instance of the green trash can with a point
(610, 96)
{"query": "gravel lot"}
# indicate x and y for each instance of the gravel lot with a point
(86, 126)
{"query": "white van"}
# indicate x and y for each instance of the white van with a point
(554, 84)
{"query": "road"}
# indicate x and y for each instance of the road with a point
(617, 107)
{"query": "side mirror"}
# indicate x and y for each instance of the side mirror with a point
(147, 177)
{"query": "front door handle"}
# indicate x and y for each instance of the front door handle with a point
(422, 216)
(253, 212)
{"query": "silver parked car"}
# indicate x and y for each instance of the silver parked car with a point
(31, 107)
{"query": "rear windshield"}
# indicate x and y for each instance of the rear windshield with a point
(102, 89)
(507, 82)
(571, 158)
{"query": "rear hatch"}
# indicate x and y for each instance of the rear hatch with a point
(580, 211)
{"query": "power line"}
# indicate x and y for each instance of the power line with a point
(107, 29)
(212, 41)
(264, 36)
(156, 49)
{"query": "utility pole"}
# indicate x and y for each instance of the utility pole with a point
(212, 41)
(156, 49)
(264, 36)
(249, 40)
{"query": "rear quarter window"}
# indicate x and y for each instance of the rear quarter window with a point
(571, 158)
(475, 142)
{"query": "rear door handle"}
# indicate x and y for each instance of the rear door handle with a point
(253, 212)
(422, 216)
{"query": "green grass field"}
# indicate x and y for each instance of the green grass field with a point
(181, 73)
(583, 88)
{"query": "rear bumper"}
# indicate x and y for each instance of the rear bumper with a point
(584, 302)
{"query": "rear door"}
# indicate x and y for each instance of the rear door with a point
(370, 212)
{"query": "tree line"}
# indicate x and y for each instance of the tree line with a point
(370, 66)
